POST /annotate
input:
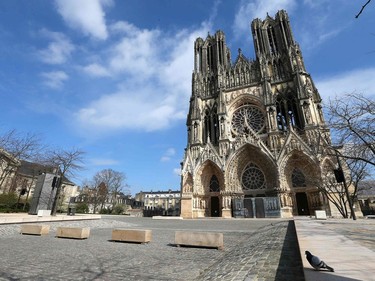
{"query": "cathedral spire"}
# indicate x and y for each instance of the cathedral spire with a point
(210, 54)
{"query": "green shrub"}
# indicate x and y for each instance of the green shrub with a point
(118, 210)
(105, 211)
(82, 208)
(8, 201)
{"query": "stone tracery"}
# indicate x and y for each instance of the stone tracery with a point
(253, 178)
(245, 117)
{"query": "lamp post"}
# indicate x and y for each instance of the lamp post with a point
(341, 173)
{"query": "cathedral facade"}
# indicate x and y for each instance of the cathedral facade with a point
(256, 131)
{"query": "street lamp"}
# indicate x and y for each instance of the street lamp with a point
(340, 177)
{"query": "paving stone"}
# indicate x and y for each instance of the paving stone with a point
(253, 250)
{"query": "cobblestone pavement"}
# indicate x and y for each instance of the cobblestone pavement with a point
(262, 249)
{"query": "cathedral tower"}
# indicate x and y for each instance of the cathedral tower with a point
(255, 129)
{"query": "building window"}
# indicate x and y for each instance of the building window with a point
(298, 178)
(214, 184)
(253, 178)
(245, 117)
(211, 126)
(272, 40)
(288, 112)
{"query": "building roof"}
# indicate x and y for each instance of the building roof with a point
(161, 192)
(8, 157)
(366, 189)
(34, 169)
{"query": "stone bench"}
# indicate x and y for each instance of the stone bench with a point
(73, 232)
(44, 213)
(199, 239)
(320, 215)
(132, 235)
(35, 229)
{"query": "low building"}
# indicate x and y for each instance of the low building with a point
(99, 200)
(26, 178)
(366, 197)
(8, 167)
(160, 203)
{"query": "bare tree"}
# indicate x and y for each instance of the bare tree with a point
(352, 119)
(359, 172)
(341, 188)
(114, 181)
(94, 193)
(15, 146)
(67, 162)
(99, 194)
(334, 191)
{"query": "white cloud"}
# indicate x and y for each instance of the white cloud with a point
(156, 79)
(170, 151)
(249, 10)
(329, 19)
(103, 162)
(85, 15)
(54, 79)
(359, 81)
(312, 36)
(168, 155)
(165, 159)
(134, 53)
(58, 50)
(177, 70)
(327, 35)
(96, 70)
(123, 27)
(177, 171)
(314, 3)
(137, 53)
(133, 109)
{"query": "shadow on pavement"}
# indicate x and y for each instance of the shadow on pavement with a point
(290, 264)
(326, 275)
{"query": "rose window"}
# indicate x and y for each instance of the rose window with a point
(246, 117)
(253, 178)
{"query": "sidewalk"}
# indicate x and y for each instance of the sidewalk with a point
(351, 261)
(26, 218)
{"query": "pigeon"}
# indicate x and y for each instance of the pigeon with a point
(316, 262)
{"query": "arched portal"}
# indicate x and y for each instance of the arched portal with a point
(302, 204)
(210, 183)
(302, 184)
(251, 172)
(252, 177)
(214, 200)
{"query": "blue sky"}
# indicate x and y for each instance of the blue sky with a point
(113, 78)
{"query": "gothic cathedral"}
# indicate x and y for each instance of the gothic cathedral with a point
(256, 132)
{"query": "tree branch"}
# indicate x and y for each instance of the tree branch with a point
(363, 7)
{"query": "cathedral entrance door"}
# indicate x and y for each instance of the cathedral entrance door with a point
(215, 206)
(302, 204)
(259, 208)
(248, 205)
